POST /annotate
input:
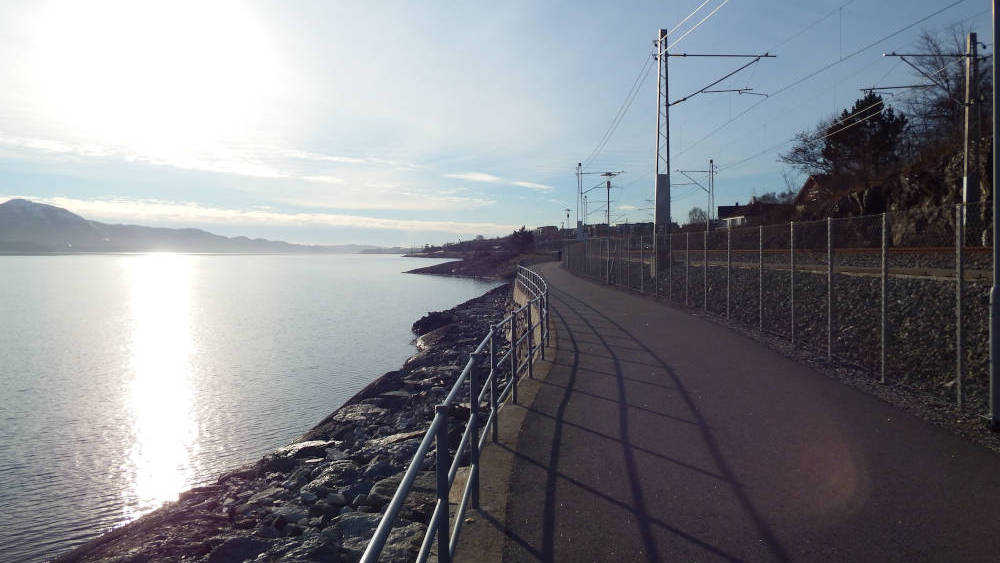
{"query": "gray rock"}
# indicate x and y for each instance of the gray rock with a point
(267, 496)
(311, 448)
(336, 499)
(238, 550)
(355, 530)
(307, 497)
(292, 513)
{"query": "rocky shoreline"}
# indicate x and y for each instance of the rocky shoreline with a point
(320, 498)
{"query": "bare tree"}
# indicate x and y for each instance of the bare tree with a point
(936, 111)
(696, 216)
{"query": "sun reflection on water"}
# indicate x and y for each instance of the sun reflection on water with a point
(160, 393)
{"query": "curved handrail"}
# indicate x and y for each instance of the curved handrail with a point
(521, 325)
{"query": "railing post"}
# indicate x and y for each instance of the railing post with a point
(760, 282)
(493, 382)
(443, 465)
(474, 386)
(513, 356)
(547, 312)
(884, 283)
(531, 341)
(829, 289)
(729, 268)
(791, 263)
(959, 329)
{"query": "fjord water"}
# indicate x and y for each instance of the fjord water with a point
(125, 379)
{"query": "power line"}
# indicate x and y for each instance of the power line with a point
(622, 110)
(814, 138)
(696, 10)
(695, 26)
(820, 70)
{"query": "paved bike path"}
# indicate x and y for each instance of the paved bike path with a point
(661, 436)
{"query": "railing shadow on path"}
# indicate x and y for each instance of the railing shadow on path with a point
(591, 323)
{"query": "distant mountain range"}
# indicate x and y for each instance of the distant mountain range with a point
(28, 227)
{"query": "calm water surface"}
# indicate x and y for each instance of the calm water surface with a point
(125, 379)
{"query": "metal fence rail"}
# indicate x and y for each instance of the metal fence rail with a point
(491, 375)
(904, 294)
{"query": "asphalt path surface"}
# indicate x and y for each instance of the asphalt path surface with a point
(661, 436)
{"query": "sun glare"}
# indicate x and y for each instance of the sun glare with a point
(163, 79)
(160, 392)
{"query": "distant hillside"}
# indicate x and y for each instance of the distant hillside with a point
(28, 227)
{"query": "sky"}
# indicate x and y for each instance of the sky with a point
(405, 123)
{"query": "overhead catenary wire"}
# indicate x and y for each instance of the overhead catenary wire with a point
(816, 72)
(689, 16)
(695, 26)
(814, 137)
(622, 110)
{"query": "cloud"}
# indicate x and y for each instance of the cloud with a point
(324, 179)
(491, 179)
(187, 213)
(475, 177)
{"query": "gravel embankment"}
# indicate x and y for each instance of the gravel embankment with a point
(921, 328)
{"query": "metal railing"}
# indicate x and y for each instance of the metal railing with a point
(903, 294)
(503, 355)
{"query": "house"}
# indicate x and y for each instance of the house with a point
(754, 213)
(821, 191)
(548, 232)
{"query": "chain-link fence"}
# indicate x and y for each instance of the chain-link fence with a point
(904, 294)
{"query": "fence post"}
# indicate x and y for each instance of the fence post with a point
(628, 263)
(760, 282)
(829, 289)
(474, 384)
(642, 267)
(670, 267)
(729, 267)
(493, 382)
(607, 261)
(531, 339)
(687, 269)
(704, 252)
(791, 270)
(884, 283)
(959, 328)
(443, 465)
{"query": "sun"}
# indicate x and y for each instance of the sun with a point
(161, 79)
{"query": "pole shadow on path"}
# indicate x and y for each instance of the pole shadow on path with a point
(591, 322)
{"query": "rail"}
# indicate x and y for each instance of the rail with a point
(508, 349)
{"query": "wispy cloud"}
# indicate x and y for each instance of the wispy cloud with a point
(188, 213)
(491, 179)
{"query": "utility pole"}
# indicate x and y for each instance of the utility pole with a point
(993, 419)
(970, 178)
(661, 214)
(661, 188)
(579, 200)
(710, 190)
(607, 212)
